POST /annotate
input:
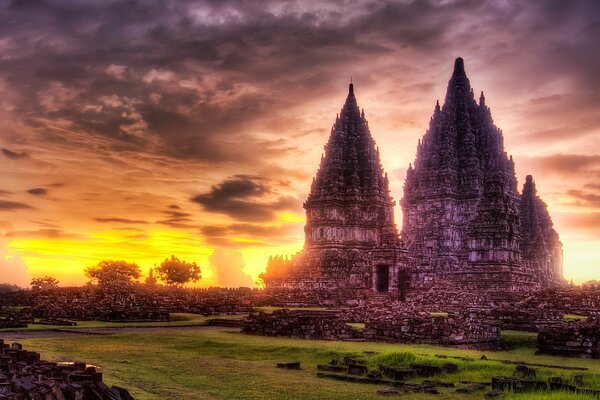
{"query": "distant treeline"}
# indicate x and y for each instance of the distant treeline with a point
(7, 288)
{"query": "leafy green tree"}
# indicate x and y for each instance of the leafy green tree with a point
(176, 272)
(43, 283)
(116, 273)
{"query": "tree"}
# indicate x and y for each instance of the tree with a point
(114, 273)
(43, 283)
(176, 272)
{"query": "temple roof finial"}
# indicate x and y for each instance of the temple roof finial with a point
(351, 88)
(459, 66)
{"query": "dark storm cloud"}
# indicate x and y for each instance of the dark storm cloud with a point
(190, 79)
(13, 154)
(13, 205)
(177, 219)
(38, 191)
(182, 78)
(243, 197)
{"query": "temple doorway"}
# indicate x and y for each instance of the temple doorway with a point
(382, 278)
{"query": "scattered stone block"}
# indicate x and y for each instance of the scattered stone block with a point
(289, 365)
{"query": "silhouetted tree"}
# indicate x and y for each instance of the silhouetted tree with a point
(43, 283)
(176, 272)
(113, 273)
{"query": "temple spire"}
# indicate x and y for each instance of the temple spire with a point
(459, 67)
(459, 87)
(529, 186)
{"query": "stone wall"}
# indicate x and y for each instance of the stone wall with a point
(23, 375)
(571, 339)
(301, 324)
(136, 303)
(453, 329)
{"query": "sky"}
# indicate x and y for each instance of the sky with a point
(140, 129)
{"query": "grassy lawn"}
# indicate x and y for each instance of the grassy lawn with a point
(574, 317)
(177, 319)
(214, 364)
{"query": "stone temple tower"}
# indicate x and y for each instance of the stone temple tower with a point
(541, 248)
(462, 209)
(351, 240)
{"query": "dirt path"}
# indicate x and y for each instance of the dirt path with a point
(57, 333)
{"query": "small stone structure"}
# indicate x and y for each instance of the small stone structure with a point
(301, 324)
(571, 339)
(23, 375)
(15, 318)
(468, 330)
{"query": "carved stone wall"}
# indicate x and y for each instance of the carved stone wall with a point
(350, 228)
(462, 211)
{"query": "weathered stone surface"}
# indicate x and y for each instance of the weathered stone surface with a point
(23, 375)
(299, 324)
(350, 234)
(572, 339)
(464, 221)
(452, 330)
(541, 249)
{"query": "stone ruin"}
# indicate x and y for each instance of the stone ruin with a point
(302, 324)
(350, 234)
(464, 330)
(23, 375)
(571, 339)
(403, 379)
(60, 306)
(15, 318)
(465, 224)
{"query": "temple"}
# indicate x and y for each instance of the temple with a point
(465, 224)
(351, 240)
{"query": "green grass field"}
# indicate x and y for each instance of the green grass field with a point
(217, 364)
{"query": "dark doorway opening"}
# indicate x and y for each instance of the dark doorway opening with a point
(382, 278)
(403, 284)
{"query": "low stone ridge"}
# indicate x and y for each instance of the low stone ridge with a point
(23, 375)
(136, 303)
(571, 339)
(467, 330)
(15, 318)
(301, 324)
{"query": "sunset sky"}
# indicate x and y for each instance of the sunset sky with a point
(139, 129)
